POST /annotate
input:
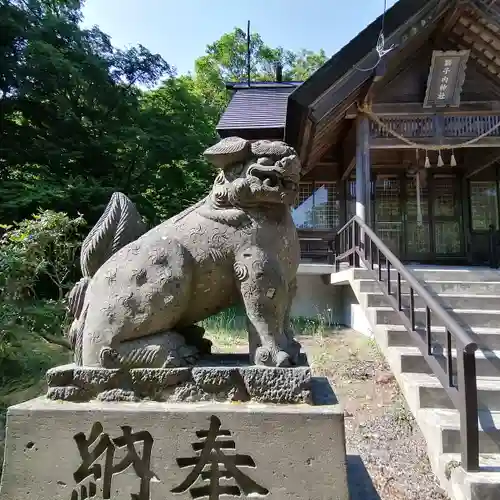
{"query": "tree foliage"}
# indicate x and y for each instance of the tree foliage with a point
(76, 126)
(226, 60)
(37, 269)
(81, 119)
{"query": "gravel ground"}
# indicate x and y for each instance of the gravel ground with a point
(387, 452)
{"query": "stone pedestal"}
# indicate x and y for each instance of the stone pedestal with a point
(151, 450)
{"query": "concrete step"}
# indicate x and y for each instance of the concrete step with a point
(481, 485)
(441, 274)
(410, 360)
(449, 300)
(397, 335)
(431, 394)
(447, 287)
(448, 423)
(471, 317)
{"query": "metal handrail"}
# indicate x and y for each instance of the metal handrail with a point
(352, 242)
(494, 241)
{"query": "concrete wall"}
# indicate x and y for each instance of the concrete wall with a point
(353, 314)
(315, 298)
(335, 304)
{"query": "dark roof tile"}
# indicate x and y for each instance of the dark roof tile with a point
(257, 108)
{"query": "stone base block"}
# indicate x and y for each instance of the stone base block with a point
(220, 377)
(59, 450)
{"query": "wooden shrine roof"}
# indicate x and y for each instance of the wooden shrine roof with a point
(316, 109)
(477, 28)
(310, 115)
(255, 107)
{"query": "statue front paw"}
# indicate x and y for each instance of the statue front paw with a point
(266, 357)
(283, 359)
(293, 349)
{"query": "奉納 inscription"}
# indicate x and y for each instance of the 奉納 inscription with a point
(210, 454)
(100, 445)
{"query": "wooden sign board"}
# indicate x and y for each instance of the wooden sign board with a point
(446, 78)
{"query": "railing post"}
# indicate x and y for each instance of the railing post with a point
(337, 250)
(493, 248)
(469, 427)
(400, 302)
(412, 308)
(356, 236)
(428, 332)
(331, 252)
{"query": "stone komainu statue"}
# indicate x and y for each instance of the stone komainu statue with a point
(143, 293)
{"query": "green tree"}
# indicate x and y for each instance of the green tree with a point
(166, 166)
(305, 63)
(37, 262)
(69, 104)
(226, 60)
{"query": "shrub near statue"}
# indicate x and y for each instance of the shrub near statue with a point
(142, 294)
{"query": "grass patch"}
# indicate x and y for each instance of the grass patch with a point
(27, 362)
(226, 329)
(229, 327)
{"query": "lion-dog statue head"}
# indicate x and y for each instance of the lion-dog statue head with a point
(255, 173)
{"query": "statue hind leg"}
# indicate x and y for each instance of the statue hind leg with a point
(139, 303)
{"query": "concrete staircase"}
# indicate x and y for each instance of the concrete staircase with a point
(473, 297)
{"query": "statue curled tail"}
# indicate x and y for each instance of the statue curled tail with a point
(119, 225)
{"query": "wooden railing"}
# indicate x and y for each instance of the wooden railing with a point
(356, 243)
(317, 246)
(429, 126)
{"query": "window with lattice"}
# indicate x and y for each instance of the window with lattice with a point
(484, 205)
(318, 206)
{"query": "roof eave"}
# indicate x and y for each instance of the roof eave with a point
(343, 60)
(304, 99)
(245, 85)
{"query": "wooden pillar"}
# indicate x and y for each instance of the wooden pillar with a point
(363, 169)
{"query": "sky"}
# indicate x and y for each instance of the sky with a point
(180, 30)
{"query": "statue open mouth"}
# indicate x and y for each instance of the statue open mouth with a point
(270, 177)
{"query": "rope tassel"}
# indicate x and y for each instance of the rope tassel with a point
(440, 162)
(453, 161)
(427, 163)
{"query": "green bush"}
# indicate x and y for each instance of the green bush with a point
(37, 268)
